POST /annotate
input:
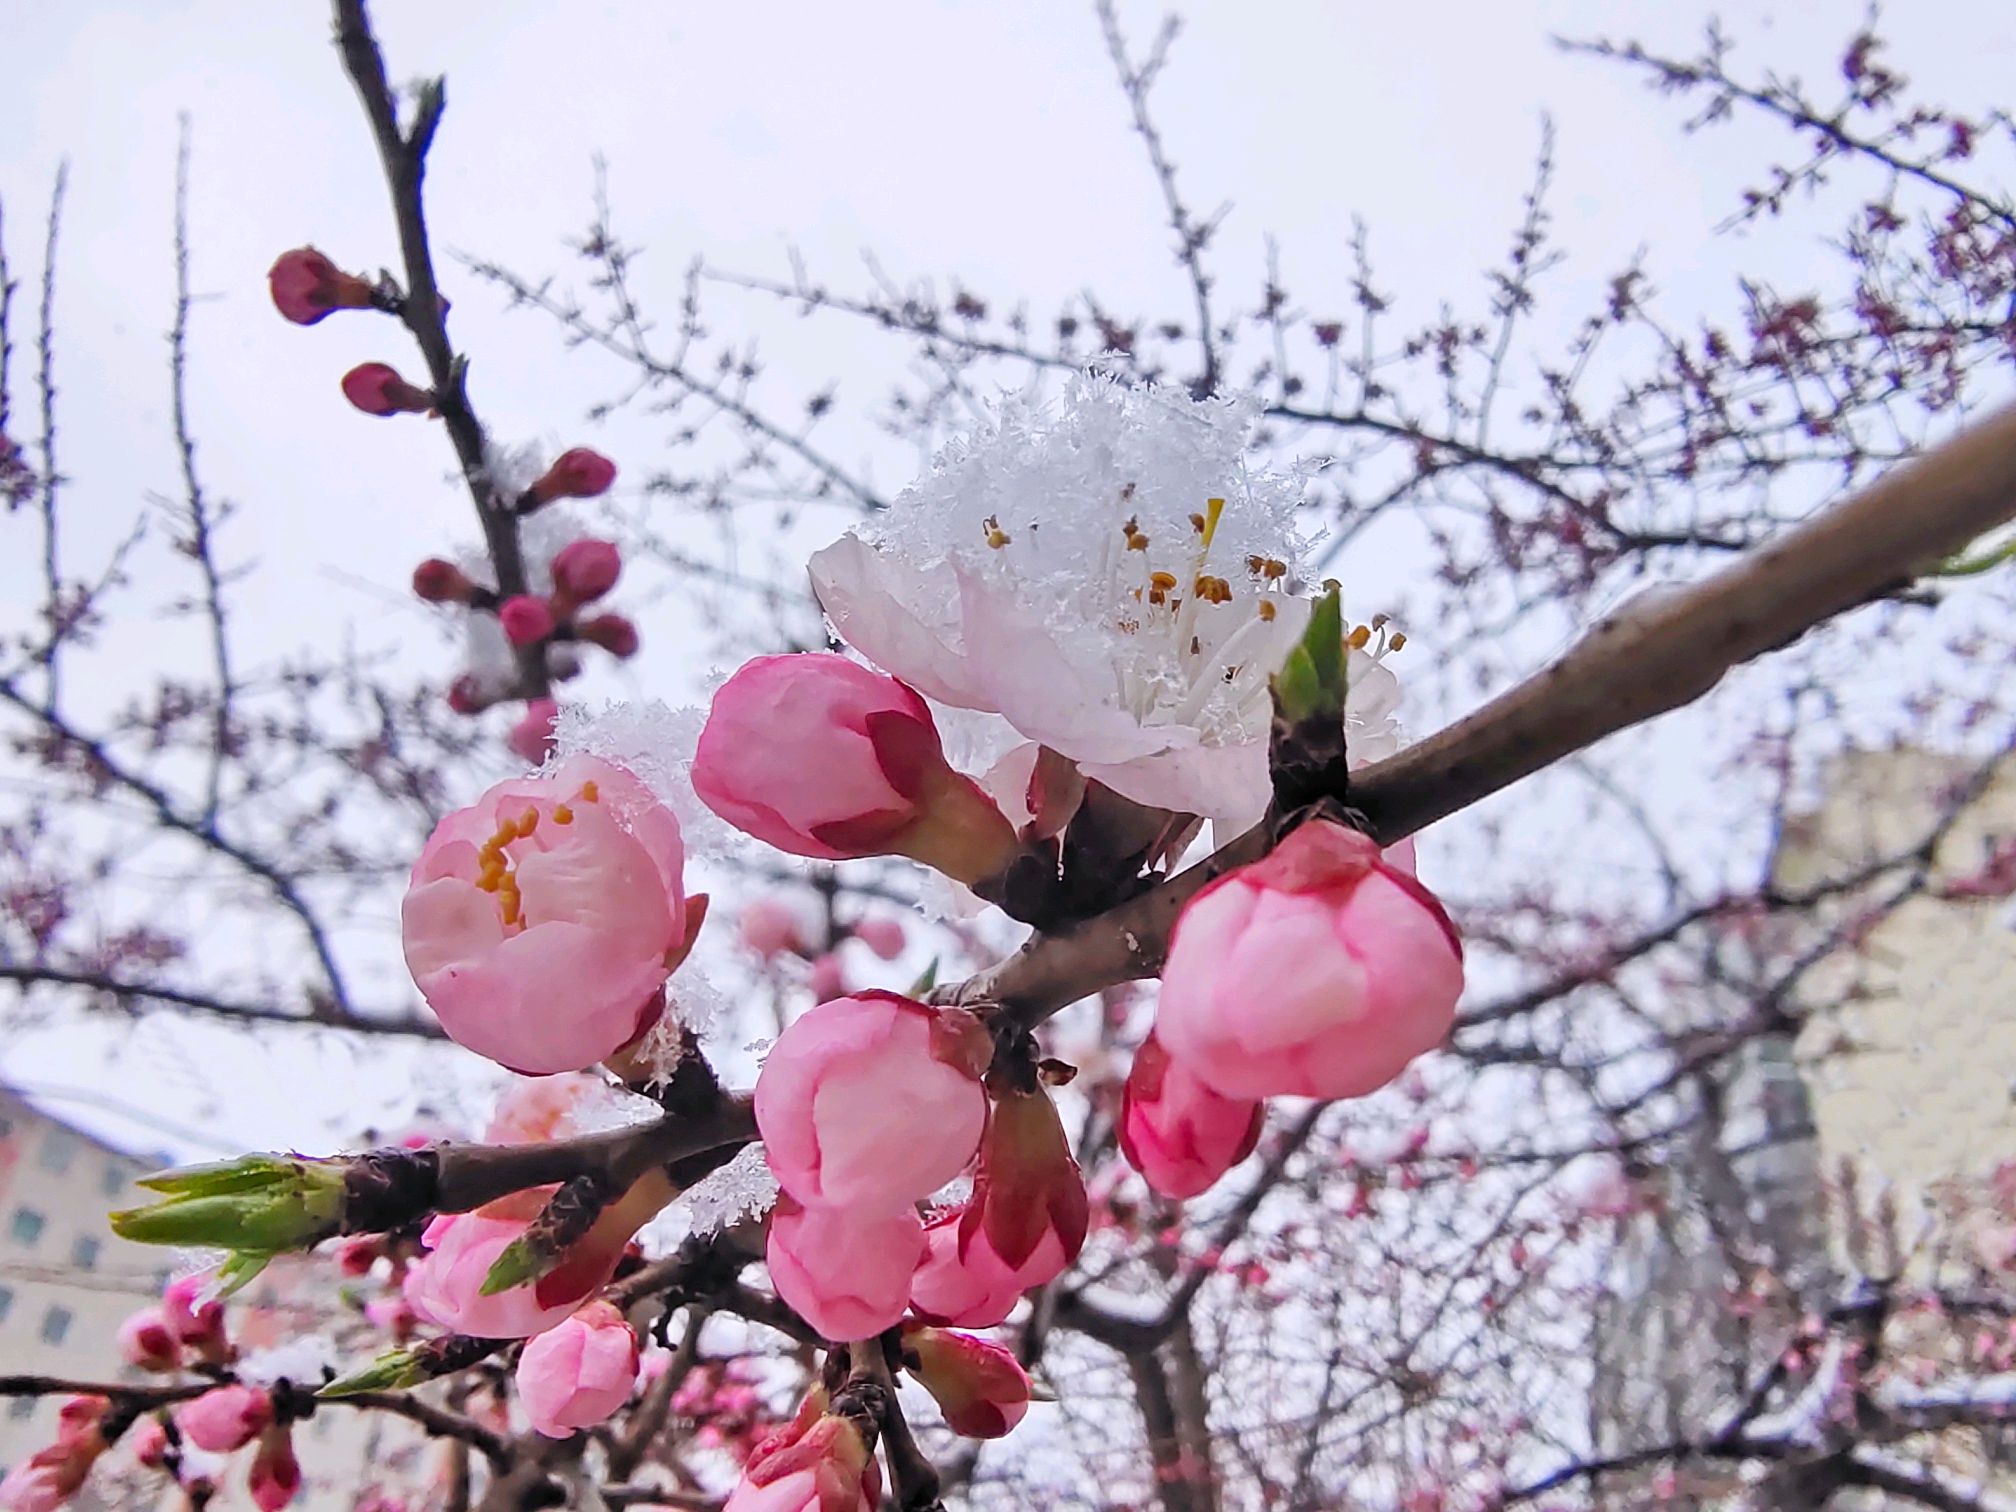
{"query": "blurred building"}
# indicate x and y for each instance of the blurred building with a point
(67, 1282)
(1863, 1144)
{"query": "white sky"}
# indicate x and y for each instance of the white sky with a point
(980, 139)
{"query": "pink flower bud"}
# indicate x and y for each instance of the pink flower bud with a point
(275, 1477)
(442, 582)
(577, 1374)
(581, 473)
(819, 756)
(539, 920)
(828, 1468)
(357, 1254)
(146, 1344)
(149, 1442)
(980, 1387)
(612, 632)
(78, 1419)
(525, 619)
(225, 1418)
(52, 1475)
(961, 1280)
(1179, 1134)
(827, 978)
(872, 1101)
(531, 739)
(467, 696)
(771, 926)
(1028, 1188)
(846, 1271)
(586, 569)
(378, 389)
(1318, 971)
(306, 286)
(445, 1285)
(393, 1315)
(883, 935)
(196, 1320)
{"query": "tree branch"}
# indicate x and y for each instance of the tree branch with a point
(1658, 652)
(404, 156)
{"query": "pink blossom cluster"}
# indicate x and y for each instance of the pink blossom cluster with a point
(1322, 970)
(182, 1336)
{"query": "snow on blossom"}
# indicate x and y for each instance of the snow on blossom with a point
(743, 1188)
(656, 742)
(306, 1361)
(1110, 576)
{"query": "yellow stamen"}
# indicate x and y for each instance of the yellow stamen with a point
(1357, 639)
(590, 793)
(996, 536)
(1213, 508)
(1267, 610)
(562, 814)
(1197, 523)
(1399, 639)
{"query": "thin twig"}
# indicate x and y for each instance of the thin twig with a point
(201, 518)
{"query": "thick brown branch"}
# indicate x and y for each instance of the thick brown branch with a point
(1657, 653)
(473, 1174)
(1667, 647)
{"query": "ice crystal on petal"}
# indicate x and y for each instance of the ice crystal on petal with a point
(1107, 574)
(655, 742)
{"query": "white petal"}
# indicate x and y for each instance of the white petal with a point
(885, 610)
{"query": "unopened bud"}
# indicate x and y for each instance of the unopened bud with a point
(525, 619)
(258, 1203)
(377, 389)
(578, 474)
(275, 1477)
(442, 582)
(532, 737)
(612, 632)
(586, 569)
(307, 286)
(467, 696)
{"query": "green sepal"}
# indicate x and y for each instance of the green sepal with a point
(1312, 681)
(518, 1264)
(394, 1370)
(259, 1205)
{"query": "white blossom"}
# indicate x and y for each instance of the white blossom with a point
(1108, 576)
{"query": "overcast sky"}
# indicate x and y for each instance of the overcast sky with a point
(960, 138)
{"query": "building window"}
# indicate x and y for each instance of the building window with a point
(58, 1146)
(27, 1225)
(55, 1325)
(6, 1302)
(115, 1180)
(84, 1253)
